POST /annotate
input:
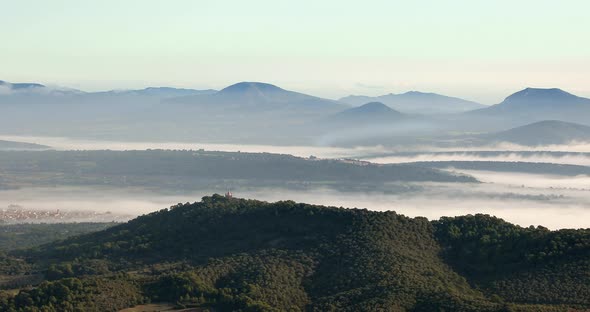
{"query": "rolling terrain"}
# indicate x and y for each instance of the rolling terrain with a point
(545, 132)
(536, 104)
(12, 145)
(190, 170)
(415, 102)
(373, 112)
(312, 156)
(233, 254)
(253, 97)
(244, 112)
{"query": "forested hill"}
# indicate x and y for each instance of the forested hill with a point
(246, 255)
(176, 169)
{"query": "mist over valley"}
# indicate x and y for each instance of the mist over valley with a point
(266, 156)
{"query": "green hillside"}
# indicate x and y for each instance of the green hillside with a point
(20, 236)
(189, 170)
(244, 255)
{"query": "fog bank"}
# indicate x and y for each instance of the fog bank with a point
(553, 208)
(543, 157)
(377, 153)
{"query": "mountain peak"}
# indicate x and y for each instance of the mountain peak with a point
(247, 87)
(417, 102)
(550, 94)
(374, 107)
(371, 110)
(418, 93)
(536, 104)
(553, 126)
(170, 91)
(20, 86)
(254, 97)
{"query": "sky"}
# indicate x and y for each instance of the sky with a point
(475, 49)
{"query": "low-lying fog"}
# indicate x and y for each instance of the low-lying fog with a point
(521, 199)
(540, 181)
(564, 158)
(525, 199)
(569, 154)
(61, 143)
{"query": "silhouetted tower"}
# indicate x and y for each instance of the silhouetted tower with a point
(228, 194)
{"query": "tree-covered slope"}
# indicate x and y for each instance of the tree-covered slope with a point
(234, 254)
(176, 169)
(20, 236)
(528, 265)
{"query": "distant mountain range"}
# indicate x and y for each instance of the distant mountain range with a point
(246, 97)
(16, 89)
(257, 96)
(417, 102)
(241, 112)
(160, 92)
(245, 111)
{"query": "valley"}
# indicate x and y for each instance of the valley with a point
(301, 156)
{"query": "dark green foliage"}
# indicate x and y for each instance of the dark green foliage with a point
(175, 169)
(21, 236)
(72, 294)
(77, 268)
(527, 265)
(266, 281)
(247, 255)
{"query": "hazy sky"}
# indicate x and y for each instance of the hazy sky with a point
(481, 50)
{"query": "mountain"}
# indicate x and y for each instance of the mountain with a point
(373, 112)
(158, 92)
(81, 96)
(534, 104)
(243, 112)
(538, 99)
(36, 91)
(11, 145)
(231, 254)
(64, 98)
(255, 96)
(372, 124)
(417, 102)
(19, 86)
(543, 133)
(372, 109)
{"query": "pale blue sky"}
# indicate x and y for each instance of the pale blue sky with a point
(481, 50)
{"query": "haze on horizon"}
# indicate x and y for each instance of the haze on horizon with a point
(477, 50)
